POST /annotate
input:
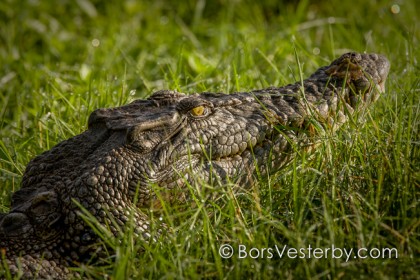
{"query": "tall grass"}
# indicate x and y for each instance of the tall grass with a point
(360, 188)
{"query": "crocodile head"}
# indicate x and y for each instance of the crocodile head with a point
(168, 140)
(172, 138)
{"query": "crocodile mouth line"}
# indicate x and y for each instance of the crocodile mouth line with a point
(225, 158)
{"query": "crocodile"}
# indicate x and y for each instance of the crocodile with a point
(170, 139)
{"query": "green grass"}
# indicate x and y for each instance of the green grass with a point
(361, 188)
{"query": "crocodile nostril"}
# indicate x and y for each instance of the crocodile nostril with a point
(13, 222)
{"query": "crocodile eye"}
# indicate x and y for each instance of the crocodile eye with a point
(198, 111)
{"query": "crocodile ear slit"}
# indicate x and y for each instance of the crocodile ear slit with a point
(53, 219)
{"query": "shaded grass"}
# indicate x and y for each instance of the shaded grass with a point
(359, 189)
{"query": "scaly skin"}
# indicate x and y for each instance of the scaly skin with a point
(211, 136)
